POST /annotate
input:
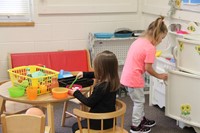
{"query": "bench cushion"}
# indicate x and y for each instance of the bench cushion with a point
(76, 60)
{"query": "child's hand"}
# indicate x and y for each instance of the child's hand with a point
(71, 92)
(163, 76)
(79, 75)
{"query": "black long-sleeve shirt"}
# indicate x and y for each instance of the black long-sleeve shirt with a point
(100, 101)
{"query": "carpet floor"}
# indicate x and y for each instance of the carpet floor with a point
(164, 124)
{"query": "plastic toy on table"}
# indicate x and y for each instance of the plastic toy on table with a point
(32, 77)
(16, 91)
(64, 74)
(37, 74)
(75, 86)
(60, 92)
(84, 82)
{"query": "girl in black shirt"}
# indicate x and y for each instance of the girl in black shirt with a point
(103, 98)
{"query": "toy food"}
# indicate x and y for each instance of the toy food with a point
(158, 53)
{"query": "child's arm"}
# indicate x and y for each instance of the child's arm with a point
(151, 71)
(85, 75)
(96, 96)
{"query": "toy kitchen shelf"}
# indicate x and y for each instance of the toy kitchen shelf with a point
(119, 46)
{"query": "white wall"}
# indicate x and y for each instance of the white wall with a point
(54, 32)
(70, 31)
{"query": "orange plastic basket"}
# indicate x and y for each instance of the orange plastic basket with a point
(19, 76)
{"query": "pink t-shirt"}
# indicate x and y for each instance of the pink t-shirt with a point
(140, 52)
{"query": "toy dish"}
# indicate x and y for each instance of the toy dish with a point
(16, 91)
(103, 35)
(123, 35)
(75, 86)
(60, 92)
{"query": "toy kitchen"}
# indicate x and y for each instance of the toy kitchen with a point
(180, 94)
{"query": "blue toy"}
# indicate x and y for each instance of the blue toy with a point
(64, 74)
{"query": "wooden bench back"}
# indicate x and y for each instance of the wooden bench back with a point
(76, 60)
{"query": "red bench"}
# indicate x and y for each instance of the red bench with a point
(76, 60)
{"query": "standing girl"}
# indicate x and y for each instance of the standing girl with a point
(140, 57)
(103, 98)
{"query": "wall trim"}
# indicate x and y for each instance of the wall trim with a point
(88, 6)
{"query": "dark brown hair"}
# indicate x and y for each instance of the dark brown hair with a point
(156, 28)
(106, 69)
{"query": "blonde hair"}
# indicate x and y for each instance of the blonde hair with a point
(156, 28)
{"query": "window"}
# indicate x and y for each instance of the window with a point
(15, 11)
(191, 5)
(191, 1)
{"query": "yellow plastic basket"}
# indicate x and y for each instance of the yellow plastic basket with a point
(19, 76)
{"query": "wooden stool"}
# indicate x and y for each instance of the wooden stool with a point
(67, 114)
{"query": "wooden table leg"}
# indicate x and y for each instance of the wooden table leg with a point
(2, 105)
(50, 117)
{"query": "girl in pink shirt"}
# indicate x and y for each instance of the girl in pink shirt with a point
(140, 57)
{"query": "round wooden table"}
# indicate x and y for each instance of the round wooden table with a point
(45, 100)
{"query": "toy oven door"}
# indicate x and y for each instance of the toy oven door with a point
(183, 97)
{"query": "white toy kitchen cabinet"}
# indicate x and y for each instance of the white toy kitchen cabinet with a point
(187, 54)
(182, 97)
(181, 93)
(183, 89)
(157, 86)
